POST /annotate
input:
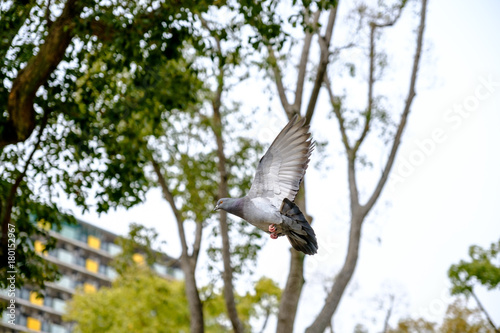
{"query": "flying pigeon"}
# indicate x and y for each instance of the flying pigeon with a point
(269, 204)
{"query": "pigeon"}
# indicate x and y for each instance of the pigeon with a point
(269, 205)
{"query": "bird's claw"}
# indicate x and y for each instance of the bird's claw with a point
(272, 230)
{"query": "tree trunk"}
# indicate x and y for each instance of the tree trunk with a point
(295, 280)
(342, 279)
(188, 263)
(227, 275)
(195, 306)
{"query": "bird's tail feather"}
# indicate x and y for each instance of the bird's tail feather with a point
(298, 231)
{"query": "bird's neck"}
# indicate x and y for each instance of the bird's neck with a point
(237, 207)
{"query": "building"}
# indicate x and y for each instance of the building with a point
(83, 254)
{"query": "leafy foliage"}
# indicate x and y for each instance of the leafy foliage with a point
(458, 318)
(120, 77)
(141, 301)
(483, 268)
(138, 301)
(261, 303)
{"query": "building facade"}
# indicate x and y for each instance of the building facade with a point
(83, 254)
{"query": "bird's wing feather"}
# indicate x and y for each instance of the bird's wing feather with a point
(282, 168)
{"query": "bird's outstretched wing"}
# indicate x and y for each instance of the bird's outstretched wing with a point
(282, 168)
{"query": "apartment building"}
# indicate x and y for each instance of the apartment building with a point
(83, 255)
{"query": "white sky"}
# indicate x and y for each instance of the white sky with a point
(420, 226)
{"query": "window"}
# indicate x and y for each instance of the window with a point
(94, 242)
(89, 288)
(36, 299)
(92, 265)
(114, 249)
(54, 328)
(65, 282)
(34, 324)
(70, 231)
(58, 304)
(65, 256)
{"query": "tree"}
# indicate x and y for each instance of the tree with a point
(49, 54)
(483, 268)
(410, 325)
(458, 318)
(138, 301)
(315, 21)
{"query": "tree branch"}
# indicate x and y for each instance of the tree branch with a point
(371, 79)
(402, 123)
(371, 82)
(351, 155)
(21, 121)
(279, 81)
(304, 57)
(388, 314)
(197, 243)
(338, 114)
(484, 311)
(324, 42)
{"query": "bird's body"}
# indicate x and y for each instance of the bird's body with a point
(269, 203)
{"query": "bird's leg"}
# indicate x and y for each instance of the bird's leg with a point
(272, 230)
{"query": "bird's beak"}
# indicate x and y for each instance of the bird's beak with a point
(216, 208)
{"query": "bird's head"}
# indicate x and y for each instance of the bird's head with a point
(223, 204)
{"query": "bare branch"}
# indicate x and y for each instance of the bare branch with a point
(388, 314)
(371, 78)
(481, 307)
(351, 154)
(197, 243)
(390, 22)
(371, 82)
(404, 116)
(338, 114)
(266, 319)
(324, 42)
(304, 57)
(279, 81)
(170, 199)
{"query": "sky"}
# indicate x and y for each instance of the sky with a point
(442, 196)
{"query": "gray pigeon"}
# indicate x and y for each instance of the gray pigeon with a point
(269, 205)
